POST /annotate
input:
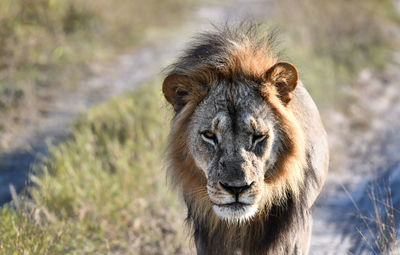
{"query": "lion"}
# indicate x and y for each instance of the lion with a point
(247, 149)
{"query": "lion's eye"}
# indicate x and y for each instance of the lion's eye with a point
(259, 138)
(209, 136)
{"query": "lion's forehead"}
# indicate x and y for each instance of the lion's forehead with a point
(238, 94)
(233, 107)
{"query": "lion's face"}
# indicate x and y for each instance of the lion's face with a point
(236, 132)
(232, 142)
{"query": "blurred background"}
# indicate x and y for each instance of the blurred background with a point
(83, 123)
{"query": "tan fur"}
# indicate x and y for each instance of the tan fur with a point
(248, 60)
(290, 167)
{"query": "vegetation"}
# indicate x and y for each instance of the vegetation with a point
(103, 190)
(379, 230)
(48, 45)
(386, 240)
(332, 41)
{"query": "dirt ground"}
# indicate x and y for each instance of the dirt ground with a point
(365, 156)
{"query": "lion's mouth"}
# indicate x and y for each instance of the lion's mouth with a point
(233, 205)
(235, 211)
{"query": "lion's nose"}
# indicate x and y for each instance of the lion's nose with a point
(235, 190)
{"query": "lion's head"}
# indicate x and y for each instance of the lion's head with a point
(235, 145)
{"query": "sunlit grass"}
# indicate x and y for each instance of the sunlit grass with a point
(331, 42)
(104, 189)
(47, 44)
(379, 230)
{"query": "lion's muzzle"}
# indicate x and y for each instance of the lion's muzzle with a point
(235, 190)
(232, 201)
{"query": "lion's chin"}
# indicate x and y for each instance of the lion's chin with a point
(235, 212)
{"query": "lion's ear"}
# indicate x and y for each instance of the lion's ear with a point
(284, 77)
(176, 89)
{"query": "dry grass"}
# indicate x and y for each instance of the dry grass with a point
(332, 41)
(387, 239)
(47, 45)
(103, 191)
(379, 220)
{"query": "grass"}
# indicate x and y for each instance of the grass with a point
(41, 34)
(48, 45)
(379, 231)
(387, 239)
(103, 190)
(331, 42)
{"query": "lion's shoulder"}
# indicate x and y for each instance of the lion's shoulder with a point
(307, 115)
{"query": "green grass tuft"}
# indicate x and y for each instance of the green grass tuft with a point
(19, 235)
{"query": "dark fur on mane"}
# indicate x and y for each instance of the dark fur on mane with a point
(212, 52)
